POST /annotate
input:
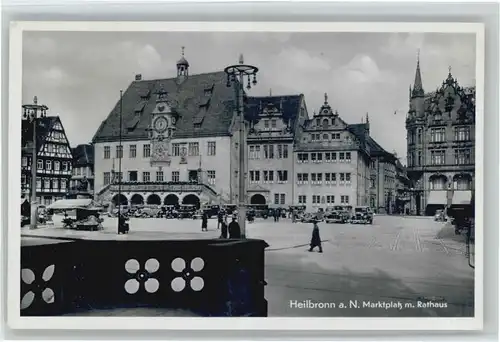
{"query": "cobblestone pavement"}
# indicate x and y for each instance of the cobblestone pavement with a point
(395, 261)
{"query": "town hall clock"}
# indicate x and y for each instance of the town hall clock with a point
(160, 124)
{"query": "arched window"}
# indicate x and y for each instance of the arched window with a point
(325, 136)
(462, 182)
(438, 182)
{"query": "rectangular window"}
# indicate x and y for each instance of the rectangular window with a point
(328, 156)
(334, 156)
(462, 133)
(282, 199)
(211, 148)
(107, 152)
(438, 134)
(269, 151)
(330, 199)
(419, 158)
(266, 123)
(24, 162)
(280, 151)
(348, 178)
(146, 151)
(319, 177)
(276, 198)
(285, 151)
(327, 177)
(57, 166)
(271, 176)
(303, 157)
(348, 157)
(38, 183)
(23, 179)
(132, 176)
(146, 176)
(46, 184)
(319, 156)
(175, 176)
(462, 156)
(48, 165)
(159, 176)
(344, 199)
(193, 149)
(341, 157)
(39, 164)
(273, 123)
(176, 149)
(133, 151)
(119, 151)
(438, 157)
(211, 176)
(63, 184)
(313, 177)
(302, 199)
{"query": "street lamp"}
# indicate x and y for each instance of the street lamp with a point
(32, 112)
(237, 76)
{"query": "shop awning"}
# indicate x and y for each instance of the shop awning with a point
(437, 197)
(71, 204)
(461, 197)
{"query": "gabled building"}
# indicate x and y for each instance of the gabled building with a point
(332, 160)
(82, 180)
(178, 142)
(440, 138)
(54, 159)
(274, 125)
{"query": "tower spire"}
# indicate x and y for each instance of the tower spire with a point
(418, 90)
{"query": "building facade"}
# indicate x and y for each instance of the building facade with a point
(440, 138)
(82, 179)
(275, 122)
(54, 159)
(176, 143)
(332, 162)
(173, 141)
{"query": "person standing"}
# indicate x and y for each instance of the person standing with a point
(315, 239)
(223, 228)
(234, 229)
(220, 218)
(204, 222)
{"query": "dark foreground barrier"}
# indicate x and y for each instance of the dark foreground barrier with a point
(206, 277)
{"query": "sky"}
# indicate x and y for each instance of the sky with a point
(78, 75)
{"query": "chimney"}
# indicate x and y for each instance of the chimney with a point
(138, 77)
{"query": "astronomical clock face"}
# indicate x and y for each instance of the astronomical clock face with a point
(160, 124)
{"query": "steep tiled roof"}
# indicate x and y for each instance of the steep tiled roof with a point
(44, 126)
(203, 98)
(290, 107)
(375, 149)
(83, 155)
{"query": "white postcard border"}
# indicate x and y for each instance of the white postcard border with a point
(14, 319)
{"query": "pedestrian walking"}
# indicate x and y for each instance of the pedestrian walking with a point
(204, 222)
(315, 239)
(293, 216)
(123, 226)
(220, 218)
(223, 228)
(234, 229)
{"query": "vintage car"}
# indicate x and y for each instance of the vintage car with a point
(186, 211)
(362, 214)
(343, 211)
(335, 217)
(211, 210)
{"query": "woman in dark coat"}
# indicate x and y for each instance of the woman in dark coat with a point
(204, 222)
(234, 229)
(223, 228)
(315, 239)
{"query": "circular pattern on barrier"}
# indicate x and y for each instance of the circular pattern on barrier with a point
(133, 267)
(187, 274)
(28, 277)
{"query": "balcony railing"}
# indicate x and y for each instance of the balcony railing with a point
(205, 277)
(163, 187)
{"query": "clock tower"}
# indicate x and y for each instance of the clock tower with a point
(163, 121)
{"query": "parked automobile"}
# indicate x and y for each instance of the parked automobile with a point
(335, 217)
(186, 211)
(197, 215)
(211, 210)
(343, 211)
(362, 214)
(309, 218)
(25, 220)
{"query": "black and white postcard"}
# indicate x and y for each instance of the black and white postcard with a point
(289, 175)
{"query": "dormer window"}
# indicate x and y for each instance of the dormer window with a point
(273, 123)
(318, 122)
(333, 122)
(325, 123)
(266, 123)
